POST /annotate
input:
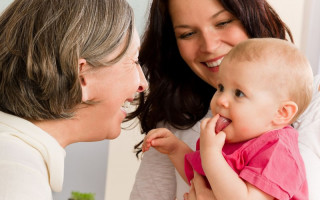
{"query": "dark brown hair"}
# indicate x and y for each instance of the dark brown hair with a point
(176, 95)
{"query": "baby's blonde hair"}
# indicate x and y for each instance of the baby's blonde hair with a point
(289, 71)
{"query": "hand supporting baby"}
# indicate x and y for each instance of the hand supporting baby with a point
(199, 190)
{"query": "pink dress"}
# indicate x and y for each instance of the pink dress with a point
(271, 162)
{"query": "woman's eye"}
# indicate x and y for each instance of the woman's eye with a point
(220, 88)
(224, 23)
(186, 35)
(239, 93)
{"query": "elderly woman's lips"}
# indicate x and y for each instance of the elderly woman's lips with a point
(221, 124)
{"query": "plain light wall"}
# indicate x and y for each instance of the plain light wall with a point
(310, 42)
(292, 13)
(4, 4)
(302, 17)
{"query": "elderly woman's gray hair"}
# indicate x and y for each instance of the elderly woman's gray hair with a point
(41, 45)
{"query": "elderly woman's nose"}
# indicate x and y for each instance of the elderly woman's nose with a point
(143, 82)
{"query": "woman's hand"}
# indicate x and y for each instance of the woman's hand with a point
(198, 189)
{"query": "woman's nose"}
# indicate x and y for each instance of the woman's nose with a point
(210, 41)
(143, 82)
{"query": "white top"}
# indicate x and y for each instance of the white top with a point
(31, 161)
(308, 126)
(156, 178)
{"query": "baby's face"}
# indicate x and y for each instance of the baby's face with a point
(246, 97)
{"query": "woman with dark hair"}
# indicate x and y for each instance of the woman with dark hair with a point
(184, 43)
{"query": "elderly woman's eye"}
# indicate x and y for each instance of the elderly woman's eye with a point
(137, 62)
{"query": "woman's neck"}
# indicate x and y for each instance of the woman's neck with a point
(61, 129)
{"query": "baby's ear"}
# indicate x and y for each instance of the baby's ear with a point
(286, 112)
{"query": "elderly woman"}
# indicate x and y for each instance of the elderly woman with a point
(66, 69)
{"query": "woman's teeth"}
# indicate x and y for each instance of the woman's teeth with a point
(214, 63)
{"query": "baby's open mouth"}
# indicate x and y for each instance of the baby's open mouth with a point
(222, 123)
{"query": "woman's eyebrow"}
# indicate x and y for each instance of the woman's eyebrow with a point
(187, 26)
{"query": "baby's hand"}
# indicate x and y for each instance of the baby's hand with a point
(208, 138)
(161, 139)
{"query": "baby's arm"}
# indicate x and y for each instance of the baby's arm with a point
(166, 142)
(224, 181)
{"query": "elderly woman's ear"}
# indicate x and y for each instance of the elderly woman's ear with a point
(83, 67)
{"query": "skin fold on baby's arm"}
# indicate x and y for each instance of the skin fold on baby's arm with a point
(166, 142)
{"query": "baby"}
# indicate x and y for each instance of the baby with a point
(248, 149)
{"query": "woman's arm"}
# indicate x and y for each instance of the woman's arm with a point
(155, 178)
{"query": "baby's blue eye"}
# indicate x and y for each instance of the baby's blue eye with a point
(239, 93)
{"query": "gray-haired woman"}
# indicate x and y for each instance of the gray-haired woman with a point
(66, 69)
